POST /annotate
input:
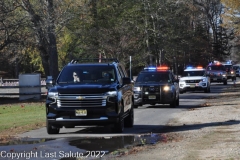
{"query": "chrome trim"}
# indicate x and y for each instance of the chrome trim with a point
(92, 119)
(81, 100)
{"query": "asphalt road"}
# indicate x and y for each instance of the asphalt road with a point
(148, 120)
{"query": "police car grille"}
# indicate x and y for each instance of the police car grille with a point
(78, 100)
(193, 81)
(151, 89)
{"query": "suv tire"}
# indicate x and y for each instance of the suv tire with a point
(119, 126)
(51, 129)
(129, 120)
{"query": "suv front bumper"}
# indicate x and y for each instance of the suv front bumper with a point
(141, 98)
(192, 86)
(97, 116)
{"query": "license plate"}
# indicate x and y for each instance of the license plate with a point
(80, 112)
(151, 97)
(214, 79)
(192, 86)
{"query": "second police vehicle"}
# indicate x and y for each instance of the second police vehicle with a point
(156, 85)
(194, 78)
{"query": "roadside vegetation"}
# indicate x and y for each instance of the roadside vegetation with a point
(20, 117)
(43, 36)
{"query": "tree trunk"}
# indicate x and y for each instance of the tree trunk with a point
(52, 50)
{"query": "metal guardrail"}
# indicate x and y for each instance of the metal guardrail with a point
(10, 87)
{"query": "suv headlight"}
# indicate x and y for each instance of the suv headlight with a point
(137, 89)
(111, 96)
(204, 80)
(112, 93)
(52, 95)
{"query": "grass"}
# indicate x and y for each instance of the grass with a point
(21, 117)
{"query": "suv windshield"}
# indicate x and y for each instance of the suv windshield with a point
(87, 74)
(153, 77)
(216, 67)
(193, 73)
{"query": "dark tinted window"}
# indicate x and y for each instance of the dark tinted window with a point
(228, 66)
(153, 77)
(235, 67)
(216, 67)
(88, 74)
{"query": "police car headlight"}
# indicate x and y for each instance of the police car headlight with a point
(231, 72)
(166, 88)
(224, 75)
(137, 89)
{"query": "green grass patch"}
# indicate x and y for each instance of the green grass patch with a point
(21, 115)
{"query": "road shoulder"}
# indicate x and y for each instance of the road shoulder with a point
(209, 131)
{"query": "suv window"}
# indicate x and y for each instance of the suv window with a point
(90, 74)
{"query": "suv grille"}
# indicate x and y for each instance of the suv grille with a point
(80, 100)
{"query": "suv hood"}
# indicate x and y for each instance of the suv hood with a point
(83, 89)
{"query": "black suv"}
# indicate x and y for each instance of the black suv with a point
(98, 94)
(156, 85)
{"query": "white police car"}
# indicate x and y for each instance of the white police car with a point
(194, 78)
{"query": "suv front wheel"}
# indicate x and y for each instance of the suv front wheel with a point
(129, 120)
(119, 126)
(51, 129)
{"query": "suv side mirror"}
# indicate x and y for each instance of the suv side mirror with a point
(49, 82)
(126, 80)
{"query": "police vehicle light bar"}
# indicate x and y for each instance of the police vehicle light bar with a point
(162, 68)
(157, 68)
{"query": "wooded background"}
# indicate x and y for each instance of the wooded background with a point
(44, 35)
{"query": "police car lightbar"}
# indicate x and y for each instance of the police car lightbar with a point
(215, 62)
(199, 67)
(163, 68)
(150, 68)
(189, 67)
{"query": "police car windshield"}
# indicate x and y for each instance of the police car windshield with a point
(228, 66)
(153, 77)
(193, 73)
